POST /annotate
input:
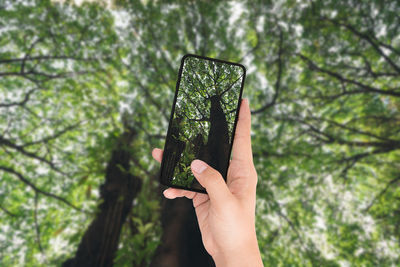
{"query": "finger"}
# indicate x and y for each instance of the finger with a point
(241, 149)
(212, 181)
(201, 204)
(172, 193)
(200, 199)
(157, 154)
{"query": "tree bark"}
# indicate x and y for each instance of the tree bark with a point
(218, 137)
(173, 149)
(100, 241)
(181, 243)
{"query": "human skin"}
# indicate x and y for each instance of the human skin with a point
(226, 214)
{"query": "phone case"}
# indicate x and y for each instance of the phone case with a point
(203, 119)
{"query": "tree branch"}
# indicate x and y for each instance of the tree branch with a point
(52, 137)
(6, 211)
(329, 138)
(47, 57)
(36, 189)
(35, 219)
(378, 196)
(368, 39)
(22, 102)
(22, 150)
(354, 130)
(364, 87)
(194, 104)
(230, 86)
(278, 79)
(202, 85)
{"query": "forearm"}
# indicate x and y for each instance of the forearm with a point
(248, 255)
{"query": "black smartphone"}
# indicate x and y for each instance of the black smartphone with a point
(203, 119)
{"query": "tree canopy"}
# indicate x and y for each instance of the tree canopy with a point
(86, 92)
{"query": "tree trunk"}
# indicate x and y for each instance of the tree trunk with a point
(100, 241)
(173, 149)
(181, 243)
(218, 137)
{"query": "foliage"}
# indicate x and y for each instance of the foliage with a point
(323, 83)
(58, 104)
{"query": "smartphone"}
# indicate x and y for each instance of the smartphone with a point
(203, 119)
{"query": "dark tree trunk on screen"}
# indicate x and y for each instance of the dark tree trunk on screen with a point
(181, 244)
(200, 152)
(174, 148)
(100, 241)
(216, 151)
(218, 137)
(199, 147)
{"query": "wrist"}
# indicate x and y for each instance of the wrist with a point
(242, 256)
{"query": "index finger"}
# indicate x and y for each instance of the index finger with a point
(241, 149)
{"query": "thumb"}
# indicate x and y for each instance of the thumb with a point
(212, 181)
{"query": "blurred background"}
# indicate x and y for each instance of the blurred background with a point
(86, 89)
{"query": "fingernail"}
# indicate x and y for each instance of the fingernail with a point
(166, 193)
(198, 166)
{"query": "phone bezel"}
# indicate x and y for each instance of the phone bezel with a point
(173, 111)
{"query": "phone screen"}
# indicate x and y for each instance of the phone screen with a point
(203, 119)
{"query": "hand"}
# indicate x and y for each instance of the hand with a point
(226, 215)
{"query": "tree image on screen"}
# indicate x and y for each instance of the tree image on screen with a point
(203, 119)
